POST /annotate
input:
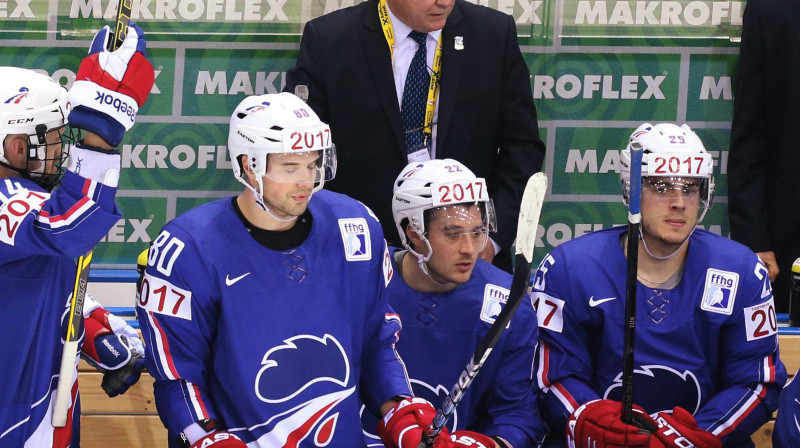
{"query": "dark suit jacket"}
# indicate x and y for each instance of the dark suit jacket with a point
(485, 104)
(764, 158)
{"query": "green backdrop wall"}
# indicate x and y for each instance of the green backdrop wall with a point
(599, 69)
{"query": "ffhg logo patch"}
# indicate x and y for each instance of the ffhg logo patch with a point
(719, 293)
(494, 297)
(355, 235)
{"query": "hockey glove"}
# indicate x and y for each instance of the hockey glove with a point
(463, 439)
(114, 349)
(598, 424)
(404, 425)
(220, 439)
(679, 430)
(111, 86)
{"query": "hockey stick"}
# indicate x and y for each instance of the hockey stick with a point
(529, 211)
(634, 218)
(75, 324)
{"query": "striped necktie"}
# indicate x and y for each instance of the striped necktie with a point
(415, 94)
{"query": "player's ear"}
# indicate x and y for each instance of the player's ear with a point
(247, 170)
(15, 150)
(414, 239)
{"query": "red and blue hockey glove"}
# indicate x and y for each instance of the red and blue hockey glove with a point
(679, 430)
(219, 439)
(598, 424)
(463, 439)
(111, 86)
(208, 434)
(114, 349)
(404, 425)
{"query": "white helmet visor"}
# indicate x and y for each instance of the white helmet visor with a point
(694, 191)
(303, 167)
(459, 222)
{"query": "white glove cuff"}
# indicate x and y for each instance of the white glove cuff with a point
(99, 167)
(118, 106)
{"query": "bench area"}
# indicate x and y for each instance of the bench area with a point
(130, 420)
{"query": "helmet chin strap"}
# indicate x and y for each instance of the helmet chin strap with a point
(422, 260)
(423, 266)
(259, 197)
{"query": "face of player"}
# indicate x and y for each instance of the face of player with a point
(457, 234)
(53, 151)
(289, 182)
(50, 153)
(670, 207)
(422, 15)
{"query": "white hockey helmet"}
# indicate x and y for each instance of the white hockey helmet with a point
(669, 151)
(33, 104)
(435, 184)
(278, 124)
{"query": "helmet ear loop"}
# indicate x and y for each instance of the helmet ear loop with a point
(258, 194)
(421, 234)
(318, 185)
(422, 261)
(244, 169)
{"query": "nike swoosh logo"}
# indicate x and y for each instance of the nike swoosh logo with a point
(230, 281)
(593, 303)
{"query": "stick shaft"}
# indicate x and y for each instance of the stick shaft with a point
(634, 218)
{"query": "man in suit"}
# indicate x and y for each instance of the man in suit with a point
(355, 63)
(764, 157)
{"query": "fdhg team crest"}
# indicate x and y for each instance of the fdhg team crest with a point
(494, 297)
(355, 236)
(719, 292)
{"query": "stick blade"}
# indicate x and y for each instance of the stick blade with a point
(529, 211)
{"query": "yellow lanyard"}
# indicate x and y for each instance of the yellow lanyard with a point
(433, 87)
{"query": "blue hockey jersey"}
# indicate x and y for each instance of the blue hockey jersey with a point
(278, 346)
(40, 235)
(440, 334)
(709, 345)
(786, 433)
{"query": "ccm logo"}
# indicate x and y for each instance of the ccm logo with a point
(20, 121)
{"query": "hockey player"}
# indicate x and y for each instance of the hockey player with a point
(447, 298)
(264, 314)
(43, 230)
(787, 424)
(706, 352)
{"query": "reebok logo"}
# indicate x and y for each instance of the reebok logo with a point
(593, 303)
(230, 281)
(116, 103)
(111, 348)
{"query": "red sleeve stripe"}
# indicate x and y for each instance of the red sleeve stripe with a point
(89, 187)
(769, 369)
(544, 366)
(163, 352)
(388, 317)
(77, 211)
(564, 397)
(557, 389)
(394, 316)
(753, 399)
(196, 399)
